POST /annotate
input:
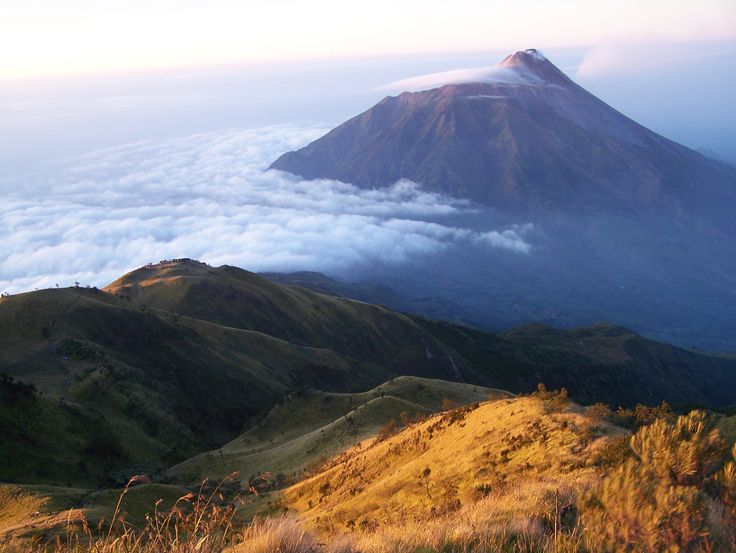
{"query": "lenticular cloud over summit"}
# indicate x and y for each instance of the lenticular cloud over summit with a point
(208, 196)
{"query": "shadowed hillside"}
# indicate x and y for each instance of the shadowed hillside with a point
(602, 362)
(178, 358)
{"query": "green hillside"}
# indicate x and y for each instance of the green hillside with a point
(178, 358)
(235, 298)
(160, 387)
(601, 363)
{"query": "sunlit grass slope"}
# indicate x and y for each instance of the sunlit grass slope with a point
(529, 474)
(515, 449)
(310, 426)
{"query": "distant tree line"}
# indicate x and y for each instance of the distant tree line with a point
(11, 390)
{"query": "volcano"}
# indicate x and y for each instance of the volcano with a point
(521, 137)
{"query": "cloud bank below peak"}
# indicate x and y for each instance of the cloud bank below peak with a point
(208, 196)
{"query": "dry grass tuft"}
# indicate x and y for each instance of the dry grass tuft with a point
(281, 534)
(201, 522)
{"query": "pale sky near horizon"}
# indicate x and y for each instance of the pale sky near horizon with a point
(76, 75)
(41, 38)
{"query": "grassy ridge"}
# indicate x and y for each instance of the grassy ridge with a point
(310, 426)
(235, 298)
(513, 448)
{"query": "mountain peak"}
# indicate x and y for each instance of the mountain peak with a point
(529, 57)
(521, 136)
(533, 62)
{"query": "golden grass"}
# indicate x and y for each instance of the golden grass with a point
(517, 475)
(212, 532)
(512, 449)
(476, 528)
(271, 535)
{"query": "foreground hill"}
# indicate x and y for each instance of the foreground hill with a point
(177, 358)
(307, 428)
(529, 474)
(516, 449)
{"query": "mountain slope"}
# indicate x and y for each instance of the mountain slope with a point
(178, 358)
(525, 139)
(236, 298)
(602, 362)
(166, 386)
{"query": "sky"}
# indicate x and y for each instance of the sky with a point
(57, 37)
(137, 131)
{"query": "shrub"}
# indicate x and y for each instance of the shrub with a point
(656, 500)
(643, 414)
(598, 412)
(448, 404)
(559, 400)
(11, 390)
(726, 481)
(387, 430)
(614, 452)
(556, 400)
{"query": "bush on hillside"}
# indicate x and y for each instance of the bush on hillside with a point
(598, 412)
(555, 400)
(614, 452)
(11, 390)
(643, 414)
(726, 481)
(387, 430)
(657, 500)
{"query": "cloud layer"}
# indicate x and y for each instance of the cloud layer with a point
(495, 74)
(208, 197)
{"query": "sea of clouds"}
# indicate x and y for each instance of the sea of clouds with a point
(209, 197)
